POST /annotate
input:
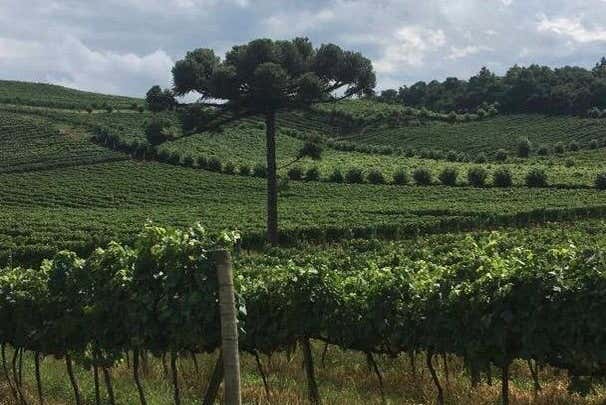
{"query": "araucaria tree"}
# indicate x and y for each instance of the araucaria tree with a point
(265, 77)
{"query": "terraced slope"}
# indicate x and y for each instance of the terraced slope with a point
(487, 135)
(50, 95)
(32, 143)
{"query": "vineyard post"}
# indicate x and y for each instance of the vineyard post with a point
(229, 329)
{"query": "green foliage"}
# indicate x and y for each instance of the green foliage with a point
(336, 176)
(543, 150)
(244, 170)
(536, 177)
(480, 158)
(53, 96)
(502, 177)
(375, 177)
(559, 147)
(354, 176)
(422, 176)
(229, 168)
(312, 174)
(600, 181)
(448, 176)
(295, 173)
(573, 146)
(260, 76)
(501, 155)
(214, 165)
(400, 177)
(159, 100)
(476, 176)
(259, 170)
(524, 147)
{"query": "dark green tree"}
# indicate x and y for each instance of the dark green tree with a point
(160, 100)
(265, 77)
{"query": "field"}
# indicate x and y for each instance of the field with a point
(403, 290)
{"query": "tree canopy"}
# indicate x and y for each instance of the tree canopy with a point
(532, 89)
(266, 75)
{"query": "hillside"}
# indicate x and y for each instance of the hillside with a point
(51, 95)
(362, 262)
(78, 189)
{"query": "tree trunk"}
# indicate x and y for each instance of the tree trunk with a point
(108, 386)
(215, 382)
(7, 375)
(175, 377)
(434, 377)
(272, 178)
(136, 377)
(308, 363)
(72, 379)
(229, 329)
(505, 385)
(38, 378)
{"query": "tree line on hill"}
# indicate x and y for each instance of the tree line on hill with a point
(533, 89)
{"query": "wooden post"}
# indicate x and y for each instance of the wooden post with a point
(229, 329)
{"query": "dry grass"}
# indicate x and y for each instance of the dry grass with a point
(344, 379)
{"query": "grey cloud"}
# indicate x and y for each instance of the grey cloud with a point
(125, 46)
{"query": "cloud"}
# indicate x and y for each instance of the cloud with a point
(408, 47)
(571, 28)
(72, 63)
(126, 46)
(458, 53)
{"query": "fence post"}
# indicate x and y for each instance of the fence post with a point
(229, 329)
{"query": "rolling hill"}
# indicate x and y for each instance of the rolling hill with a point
(63, 188)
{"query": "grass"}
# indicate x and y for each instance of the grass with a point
(50, 95)
(487, 135)
(79, 207)
(343, 378)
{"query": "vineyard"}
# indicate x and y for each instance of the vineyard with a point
(487, 300)
(421, 258)
(49, 95)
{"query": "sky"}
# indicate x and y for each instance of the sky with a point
(126, 46)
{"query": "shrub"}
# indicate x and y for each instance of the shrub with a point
(259, 170)
(244, 170)
(536, 177)
(448, 176)
(375, 177)
(543, 150)
(573, 146)
(157, 131)
(559, 147)
(188, 161)
(476, 176)
(312, 174)
(501, 155)
(600, 181)
(354, 176)
(202, 162)
(400, 177)
(451, 156)
(229, 168)
(481, 158)
(295, 173)
(502, 177)
(569, 163)
(524, 147)
(422, 176)
(214, 164)
(164, 155)
(336, 176)
(594, 144)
